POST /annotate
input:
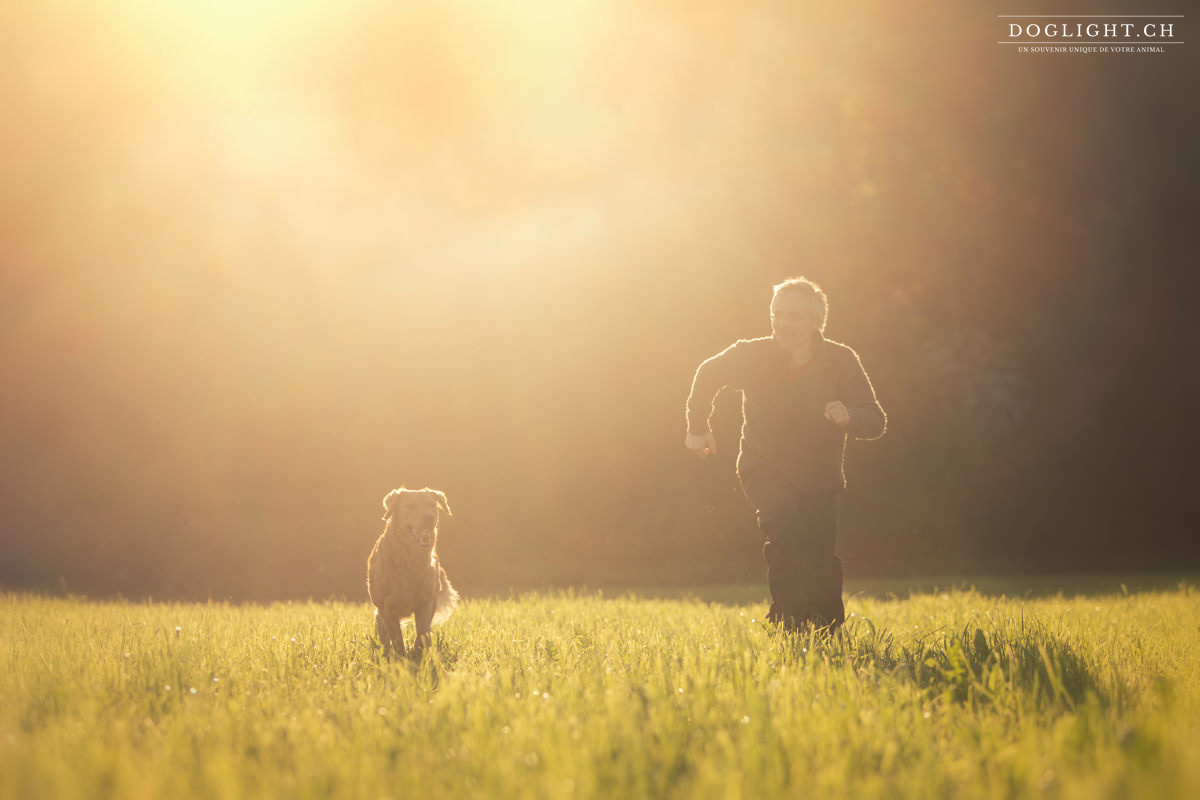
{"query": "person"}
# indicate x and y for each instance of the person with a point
(802, 396)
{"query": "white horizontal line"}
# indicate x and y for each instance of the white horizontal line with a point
(1090, 16)
(1143, 42)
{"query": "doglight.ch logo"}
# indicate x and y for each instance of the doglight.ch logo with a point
(1092, 33)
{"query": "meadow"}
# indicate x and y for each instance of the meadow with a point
(960, 693)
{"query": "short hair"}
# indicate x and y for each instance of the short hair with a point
(811, 291)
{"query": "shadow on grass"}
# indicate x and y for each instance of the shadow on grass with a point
(1022, 667)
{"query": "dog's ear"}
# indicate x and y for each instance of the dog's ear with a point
(441, 501)
(389, 500)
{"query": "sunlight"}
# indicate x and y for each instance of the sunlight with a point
(456, 136)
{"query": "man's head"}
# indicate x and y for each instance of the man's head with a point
(798, 309)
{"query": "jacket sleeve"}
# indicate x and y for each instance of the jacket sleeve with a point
(713, 375)
(867, 420)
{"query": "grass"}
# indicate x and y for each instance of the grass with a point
(934, 694)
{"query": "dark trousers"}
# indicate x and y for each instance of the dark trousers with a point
(803, 573)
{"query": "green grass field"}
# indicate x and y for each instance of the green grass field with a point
(957, 693)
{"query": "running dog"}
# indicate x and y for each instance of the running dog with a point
(403, 573)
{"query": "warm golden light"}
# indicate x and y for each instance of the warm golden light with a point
(277, 255)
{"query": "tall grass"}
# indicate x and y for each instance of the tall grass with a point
(948, 694)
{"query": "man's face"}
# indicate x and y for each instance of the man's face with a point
(793, 320)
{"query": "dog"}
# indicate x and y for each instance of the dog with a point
(403, 573)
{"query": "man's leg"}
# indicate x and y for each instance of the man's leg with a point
(777, 512)
(820, 568)
(789, 605)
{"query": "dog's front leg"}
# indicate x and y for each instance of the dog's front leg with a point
(394, 631)
(424, 620)
(382, 631)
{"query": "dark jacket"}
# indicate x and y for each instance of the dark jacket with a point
(783, 416)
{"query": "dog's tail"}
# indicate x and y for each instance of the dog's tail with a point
(447, 598)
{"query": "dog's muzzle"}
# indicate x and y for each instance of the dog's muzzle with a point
(423, 538)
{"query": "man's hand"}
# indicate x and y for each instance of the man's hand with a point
(702, 444)
(835, 412)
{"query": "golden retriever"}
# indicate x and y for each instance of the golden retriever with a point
(403, 573)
